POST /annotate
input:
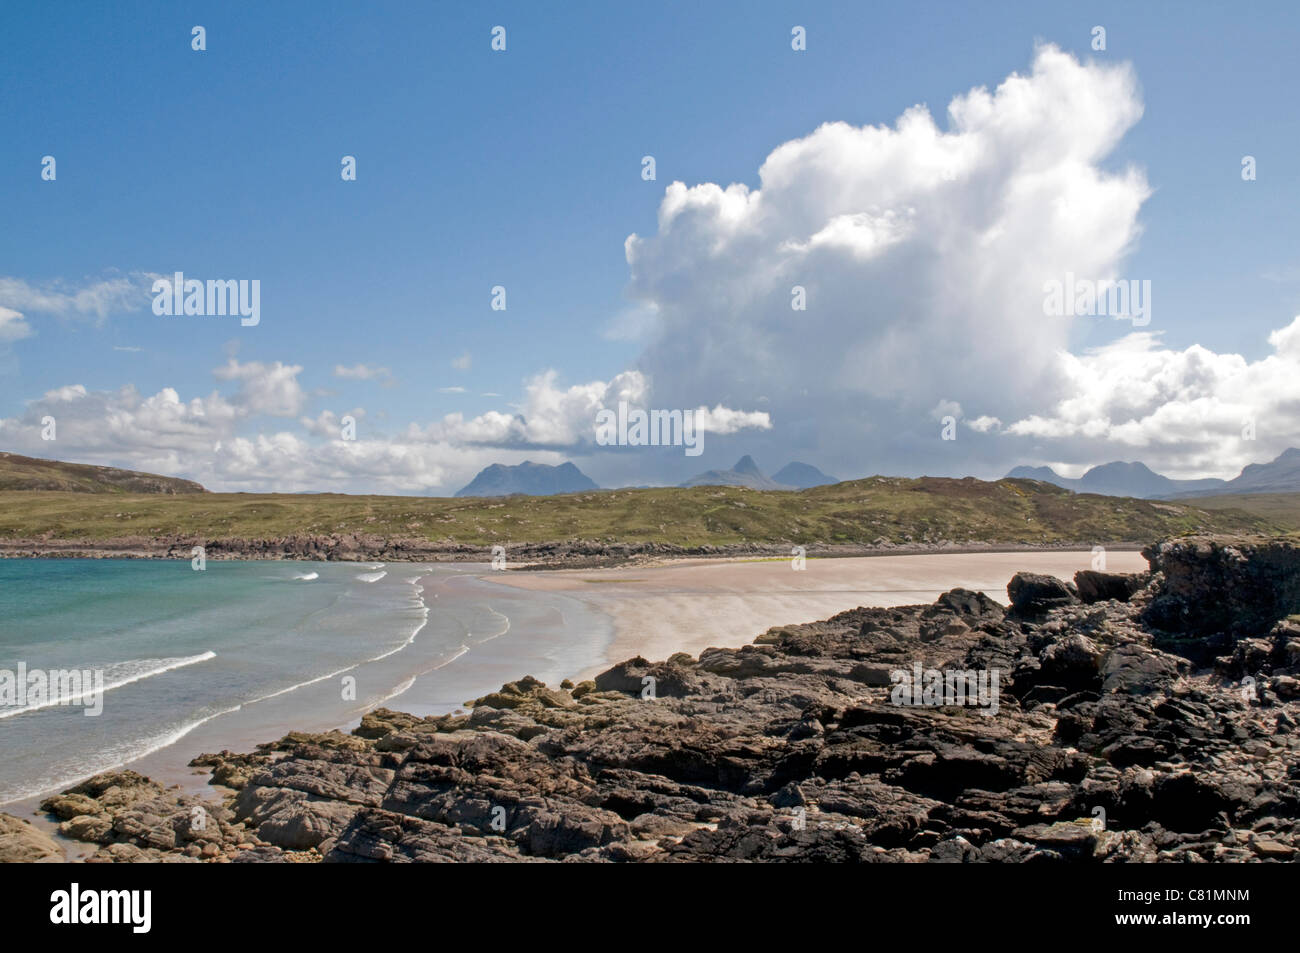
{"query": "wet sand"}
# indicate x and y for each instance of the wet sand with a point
(697, 604)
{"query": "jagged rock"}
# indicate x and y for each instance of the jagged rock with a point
(1072, 662)
(110, 790)
(1285, 687)
(1095, 586)
(131, 854)
(305, 823)
(92, 828)
(135, 819)
(68, 806)
(23, 843)
(1033, 594)
(1069, 840)
(328, 740)
(385, 836)
(1135, 669)
(1273, 849)
(662, 679)
(361, 783)
(1239, 586)
(232, 770)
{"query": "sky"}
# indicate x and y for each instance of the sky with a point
(922, 171)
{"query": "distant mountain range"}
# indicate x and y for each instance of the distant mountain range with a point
(1138, 480)
(33, 473)
(529, 479)
(538, 479)
(1281, 475)
(792, 476)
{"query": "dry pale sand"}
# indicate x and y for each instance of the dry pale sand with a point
(698, 604)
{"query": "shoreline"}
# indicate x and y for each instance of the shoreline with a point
(560, 554)
(655, 611)
(693, 605)
(442, 683)
(717, 760)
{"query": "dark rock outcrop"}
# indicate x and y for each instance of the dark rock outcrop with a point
(1033, 594)
(1238, 586)
(1095, 586)
(134, 819)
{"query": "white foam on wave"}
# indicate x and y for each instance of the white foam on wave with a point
(115, 676)
(399, 690)
(424, 620)
(406, 685)
(115, 756)
(63, 773)
(459, 652)
(372, 576)
(294, 688)
(504, 630)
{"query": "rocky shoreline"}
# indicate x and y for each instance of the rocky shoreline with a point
(1145, 717)
(565, 554)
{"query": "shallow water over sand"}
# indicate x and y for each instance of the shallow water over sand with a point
(242, 652)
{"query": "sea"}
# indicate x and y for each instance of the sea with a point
(242, 652)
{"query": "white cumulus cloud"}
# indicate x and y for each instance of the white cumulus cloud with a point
(1185, 413)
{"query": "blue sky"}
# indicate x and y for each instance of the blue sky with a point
(522, 168)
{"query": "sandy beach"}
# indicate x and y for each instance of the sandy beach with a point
(693, 605)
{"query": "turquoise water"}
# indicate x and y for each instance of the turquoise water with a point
(243, 651)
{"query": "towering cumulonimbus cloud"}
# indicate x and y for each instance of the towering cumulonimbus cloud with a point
(922, 254)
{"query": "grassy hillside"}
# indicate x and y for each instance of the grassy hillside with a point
(875, 510)
(32, 473)
(1280, 508)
